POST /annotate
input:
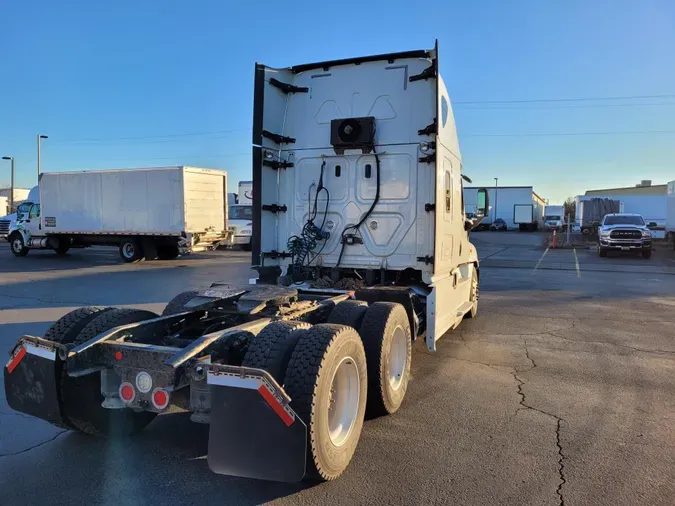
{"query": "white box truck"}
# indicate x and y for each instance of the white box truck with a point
(245, 193)
(670, 214)
(554, 217)
(240, 216)
(287, 369)
(146, 213)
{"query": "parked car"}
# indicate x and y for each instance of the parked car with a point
(499, 224)
(624, 232)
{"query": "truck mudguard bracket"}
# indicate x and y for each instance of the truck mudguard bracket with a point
(279, 139)
(277, 164)
(254, 433)
(287, 88)
(274, 208)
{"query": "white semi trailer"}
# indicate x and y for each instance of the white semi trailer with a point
(146, 213)
(361, 243)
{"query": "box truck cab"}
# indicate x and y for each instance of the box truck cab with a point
(554, 217)
(9, 221)
(240, 218)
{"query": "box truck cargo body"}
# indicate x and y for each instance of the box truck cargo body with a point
(146, 212)
(503, 201)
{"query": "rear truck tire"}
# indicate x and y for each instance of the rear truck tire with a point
(386, 336)
(82, 396)
(17, 245)
(474, 295)
(131, 251)
(61, 250)
(167, 251)
(66, 329)
(647, 254)
(327, 382)
(349, 312)
(177, 304)
(271, 349)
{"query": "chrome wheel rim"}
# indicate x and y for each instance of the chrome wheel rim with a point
(343, 404)
(398, 357)
(17, 245)
(128, 250)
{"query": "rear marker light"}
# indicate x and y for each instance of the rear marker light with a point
(160, 398)
(118, 355)
(127, 392)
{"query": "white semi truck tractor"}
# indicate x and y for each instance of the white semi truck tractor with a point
(361, 243)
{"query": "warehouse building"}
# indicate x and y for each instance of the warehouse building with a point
(505, 202)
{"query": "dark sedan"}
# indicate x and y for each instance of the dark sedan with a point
(498, 224)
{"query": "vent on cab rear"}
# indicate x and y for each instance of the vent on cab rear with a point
(352, 133)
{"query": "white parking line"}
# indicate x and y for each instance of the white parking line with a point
(539, 262)
(576, 261)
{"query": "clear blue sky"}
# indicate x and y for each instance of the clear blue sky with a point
(78, 70)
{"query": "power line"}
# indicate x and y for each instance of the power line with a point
(145, 137)
(582, 99)
(563, 107)
(554, 134)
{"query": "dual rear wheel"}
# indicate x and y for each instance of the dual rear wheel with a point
(335, 375)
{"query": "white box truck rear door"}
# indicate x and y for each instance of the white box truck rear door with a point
(523, 213)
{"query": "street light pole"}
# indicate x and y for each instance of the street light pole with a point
(11, 184)
(38, 146)
(496, 181)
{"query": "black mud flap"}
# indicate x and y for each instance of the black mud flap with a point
(253, 433)
(31, 379)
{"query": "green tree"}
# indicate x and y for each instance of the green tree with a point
(570, 208)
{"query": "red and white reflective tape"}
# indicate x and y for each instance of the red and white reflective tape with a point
(252, 383)
(31, 349)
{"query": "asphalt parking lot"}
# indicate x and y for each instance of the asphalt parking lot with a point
(562, 391)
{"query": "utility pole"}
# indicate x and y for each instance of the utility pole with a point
(38, 146)
(495, 215)
(11, 184)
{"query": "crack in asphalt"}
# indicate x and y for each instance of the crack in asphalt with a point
(559, 420)
(11, 454)
(634, 348)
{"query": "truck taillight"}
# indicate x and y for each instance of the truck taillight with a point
(127, 392)
(160, 398)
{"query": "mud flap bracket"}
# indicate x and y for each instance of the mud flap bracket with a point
(32, 379)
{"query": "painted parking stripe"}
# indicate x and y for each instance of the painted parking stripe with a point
(576, 262)
(539, 262)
